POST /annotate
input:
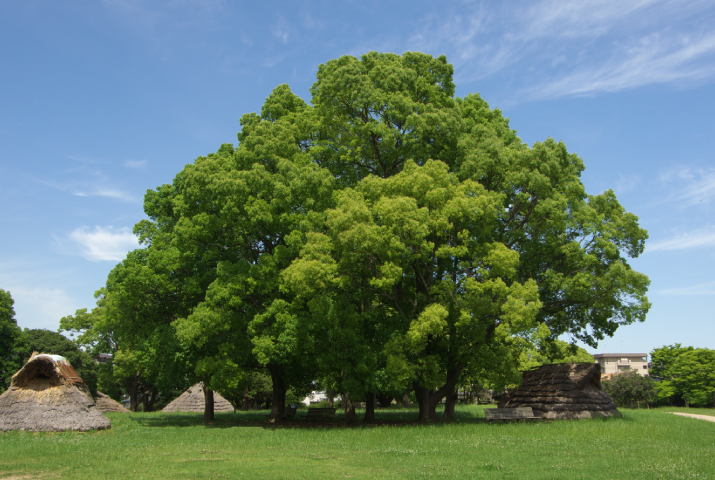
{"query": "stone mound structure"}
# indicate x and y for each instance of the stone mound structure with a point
(566, 390)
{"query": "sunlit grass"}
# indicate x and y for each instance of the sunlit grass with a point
(696, 411)
(644, 444)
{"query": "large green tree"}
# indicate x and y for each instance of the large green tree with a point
(230, 213)
(382, 113)
(11, 341)
(686, 374)
(662, 362)
(386, 234)
(694, 376)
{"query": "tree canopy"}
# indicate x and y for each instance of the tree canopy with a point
(385, 236)
(686, 374)
(11, 341)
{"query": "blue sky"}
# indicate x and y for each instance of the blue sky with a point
(102, 100)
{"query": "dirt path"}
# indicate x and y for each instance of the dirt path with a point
(709, 418)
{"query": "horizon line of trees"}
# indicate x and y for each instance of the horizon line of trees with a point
(387, 237)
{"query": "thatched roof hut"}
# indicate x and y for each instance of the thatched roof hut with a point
(192, 400)
(566, 390)
(47, 395)
(107, 404)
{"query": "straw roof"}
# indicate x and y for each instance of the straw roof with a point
(106, 404)
(47, 395)
(567, 390)
(192, 400)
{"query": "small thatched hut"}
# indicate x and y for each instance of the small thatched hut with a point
(566, 390)
(47, 395)
(107, 404)
(192, 400)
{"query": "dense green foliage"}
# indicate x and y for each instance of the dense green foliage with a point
(686, 374)
(643, 445)
(11, 341)
(630, 387)
(46, 341)
(385, 237)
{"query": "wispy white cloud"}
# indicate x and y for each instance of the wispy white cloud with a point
(102, 243)
(699, 184)
(87, 189)
(701, 289)
(138, 164)
(684, 241)
(281, 30)
(273, 61)
(85, 179)
(106, 192)
(554, 48)
(658, 58)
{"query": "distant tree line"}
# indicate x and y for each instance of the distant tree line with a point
(386, 239)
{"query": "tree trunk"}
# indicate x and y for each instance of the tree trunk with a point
(450, 391)
(406, 400)
(423, 401)
(428, 399)
(369, 407)
(132, 386)
(452, 399)
(331, 398)
(208, 404)
(279, 394)
(246, 400)
(350, 415)
(149, 397)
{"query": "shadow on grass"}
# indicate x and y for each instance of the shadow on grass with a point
(258, 419)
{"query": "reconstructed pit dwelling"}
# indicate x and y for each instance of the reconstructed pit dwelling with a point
(565, 390)
(47, 395)
(192, 400)
(106, 404)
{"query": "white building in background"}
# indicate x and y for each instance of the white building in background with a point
(314, 397)
(619, 362)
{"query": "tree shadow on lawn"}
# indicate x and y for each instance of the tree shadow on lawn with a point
(257, 419)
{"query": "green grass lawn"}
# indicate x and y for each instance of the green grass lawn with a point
(644, 444)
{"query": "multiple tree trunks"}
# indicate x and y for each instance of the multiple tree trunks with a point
(428, 399)
(568, 390)
(41, 399)
(193, 400)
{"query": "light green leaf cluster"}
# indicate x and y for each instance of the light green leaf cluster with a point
(685, 373)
